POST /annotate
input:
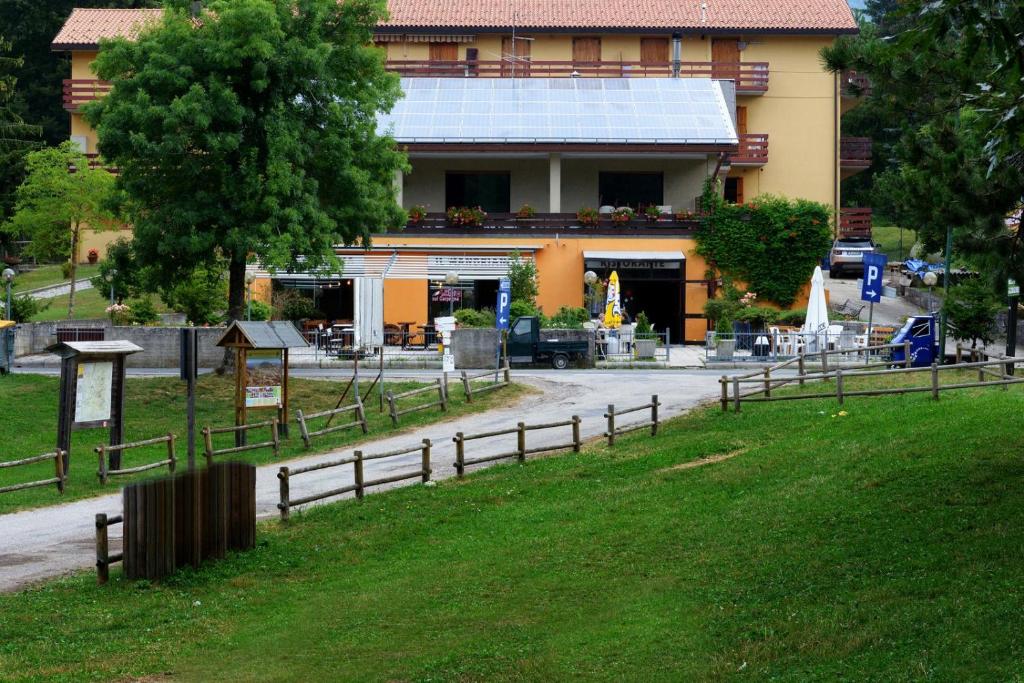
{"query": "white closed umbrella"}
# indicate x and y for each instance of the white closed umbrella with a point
(816, 323)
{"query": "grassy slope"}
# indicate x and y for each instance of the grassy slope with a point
(90, 304)
(44, 276)
(888, 239)
(157, 406)
(883, 545)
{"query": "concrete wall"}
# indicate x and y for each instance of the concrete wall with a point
(160, 345)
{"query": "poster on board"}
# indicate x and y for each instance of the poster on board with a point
(92, 393)
(264, 374)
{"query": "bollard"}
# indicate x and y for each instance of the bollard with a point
(611, 424)
(275, 435)
(736, 393)
(724, 381)
(284, 506)
(654, 415)
(460, 455)
(442, 395)
(767, 383)
(103, 464)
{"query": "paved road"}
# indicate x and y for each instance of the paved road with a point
(59, 290)
(37, 544)
(889, 311)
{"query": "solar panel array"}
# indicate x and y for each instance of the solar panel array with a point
(560, 110)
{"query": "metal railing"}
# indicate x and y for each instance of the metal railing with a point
(682, 220)
(773, 346)
(626, 347)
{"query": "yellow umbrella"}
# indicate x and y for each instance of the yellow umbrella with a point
(613, 309)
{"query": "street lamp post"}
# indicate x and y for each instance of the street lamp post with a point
(249, 279)
(110, 278)
(452, 280)
(8, 278)
(7, 348)
(589, 278)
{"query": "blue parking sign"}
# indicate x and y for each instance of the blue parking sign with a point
(504, 305)
(874, 268)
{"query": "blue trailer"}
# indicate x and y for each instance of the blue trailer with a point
(922, 333)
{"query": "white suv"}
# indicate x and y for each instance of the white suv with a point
(847, 255)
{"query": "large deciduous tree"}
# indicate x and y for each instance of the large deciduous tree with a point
(54, 205)
(16, 136)
(250, 132)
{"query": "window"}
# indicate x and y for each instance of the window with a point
(635, 190)
(586, 50)
(734, 190)
(490, 191)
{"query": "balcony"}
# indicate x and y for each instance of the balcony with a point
(753, 150)
(854, 155)
(78, 91)
(854, 222)
(94, 163)
(544, 223)
(751, 77)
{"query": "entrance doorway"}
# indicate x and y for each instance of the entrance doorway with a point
(651, 283)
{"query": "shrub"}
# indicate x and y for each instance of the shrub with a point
(772, 243)
(258, 310)
(569, 318)
(470, 317)
(794, 318)
(143, 312)
(24, 307)
(758, 316)
(971, 309)
(295, 307)
(65, 270)
(522, 276)
(520, 308)
(643, 325)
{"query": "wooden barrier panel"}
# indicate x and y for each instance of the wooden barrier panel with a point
(521, 450)
(303, 420)
(274, 443)
(442, 401)
(60, 479)
(105, 473)
(612, 431)
(468, 388)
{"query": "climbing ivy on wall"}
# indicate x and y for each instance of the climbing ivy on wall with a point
(771, 243)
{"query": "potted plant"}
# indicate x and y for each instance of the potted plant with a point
(588, 216)
(93, 256)
(467, 216)
(653, 212)
(622, 215)
(644, 341)
(417, 214)
(685, 216)
(526, 212)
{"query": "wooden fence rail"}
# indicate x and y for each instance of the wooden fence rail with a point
(358, 413)
(468, 387)
(60, 479)
(359, 485)
(103, 557)
(442, 401)
(1001, 376)
(105, 473)
(612, 413)
(274, 443)
(521, 450)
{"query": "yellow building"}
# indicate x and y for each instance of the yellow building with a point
(567, 106)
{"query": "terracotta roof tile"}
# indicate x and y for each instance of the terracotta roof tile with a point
(85, 27)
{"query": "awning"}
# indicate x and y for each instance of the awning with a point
(396, 265)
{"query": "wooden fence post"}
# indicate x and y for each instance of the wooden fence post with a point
(460, 455)
(839, 385)
(58, 464)
(654, 415)
(170, 451)
(208, 445)
(425, 460)
(103, 464)
(800, 367)
(361, 416)
(824, 359)
(736, 394)
(767, 383)
(282, 475)
(724, 381)
(521, 441)
(359, 473)
(611, 424)
(303, 429)
(935, 381)
(906, 353)
(275, 436)
(102, 550)
(392, 410)
(466, 388)
(575, 433)
(442, 395)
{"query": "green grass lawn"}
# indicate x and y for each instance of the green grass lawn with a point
(888, 239)
(90, 304)
(44, 276)
(881, 545)
(156, 406)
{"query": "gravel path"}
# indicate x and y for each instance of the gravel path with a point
(46, 542)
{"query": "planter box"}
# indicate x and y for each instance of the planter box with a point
(724, 349)
(645, 347)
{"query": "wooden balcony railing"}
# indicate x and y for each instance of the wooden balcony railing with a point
(753, 150)
(854, 222)
(855, 152)
(438, 222)
(855, 85)
(78, 91)
(750, 77)
(94, 162)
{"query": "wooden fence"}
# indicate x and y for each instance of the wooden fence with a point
(102, 451)
(442, 401)
(274, 443)
(358, 413)
(359, 485)
(998, 368)
(521, 450)
(614, 431)
(59, 479)
(469, 389)
(181, 520)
